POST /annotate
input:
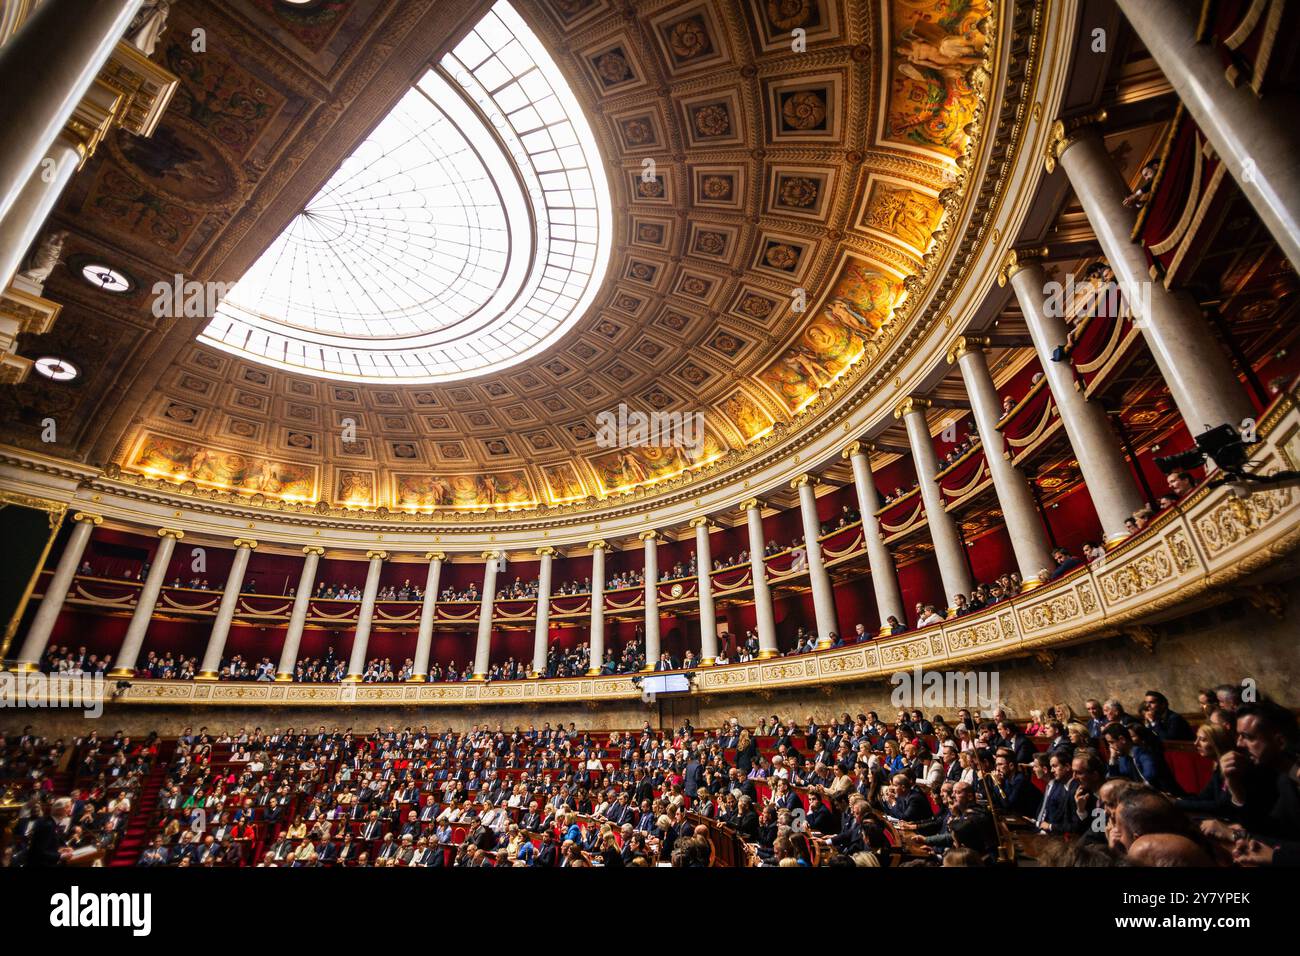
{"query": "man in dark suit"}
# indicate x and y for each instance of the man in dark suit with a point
(1164, 723)
(1087, 819)
(1056, 811)
(1012, 789)
(693, 778)
(47, 836)
(548, 855)
(908, 803)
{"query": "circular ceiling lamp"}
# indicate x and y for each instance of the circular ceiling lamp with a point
(60, 370)
(105, 278)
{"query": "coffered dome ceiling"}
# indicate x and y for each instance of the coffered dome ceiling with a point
(779, 171)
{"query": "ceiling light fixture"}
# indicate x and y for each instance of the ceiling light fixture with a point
(60, 370)
(104, 278)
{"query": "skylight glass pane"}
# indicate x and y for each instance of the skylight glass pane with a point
(421, 255)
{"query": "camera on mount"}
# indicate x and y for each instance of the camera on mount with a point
(1222, 445)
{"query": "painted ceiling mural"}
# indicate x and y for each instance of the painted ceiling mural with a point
(801, 151)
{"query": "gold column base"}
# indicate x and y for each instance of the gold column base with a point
(208, 675)
(533, 675)
(885, 631)
(479, 679)
(822, 645)
(1029, 584)
(648, 669)
(417, 679)
(26, 667)
(1115, 542)
(594, 672)
(768, 655)
(706, 662)
(352, 679)
(122, 673)
(283, 678)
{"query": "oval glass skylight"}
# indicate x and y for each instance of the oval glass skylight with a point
(467, 233)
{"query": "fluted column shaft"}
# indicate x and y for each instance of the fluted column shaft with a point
(1256, 138)
(211, 666)
(1097, 449)
(483, 645)
(365, 616)
(764, 619)
(884, 576)
(298, 615)
(428, 610)
(1193, 364)
(38, 635)
(823, 594)
(129, 652)
(597, 637)
(650, 540)
(53, 59)
(33, 204)
(704, 584)
(1016, 499)
(948, 549)
(542, 630)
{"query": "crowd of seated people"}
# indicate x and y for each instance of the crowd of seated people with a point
(70, 662)
(1087, 790)
(86, 824)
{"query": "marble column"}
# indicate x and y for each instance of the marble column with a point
(1020, 513)
(33, 204)
(1255, 137)
(129, 652)
(597, 637)
(210, 668)
(704, 584)
(884, 576)
(650, 540)
(764, 619)
(365, 616)
(483, 645)
(428, 611)
(948, 548)
(1198, 372)
(1098, 451)
(542, 629)
(56, 592)
(298, 615)
(48, 66)
(820, 580)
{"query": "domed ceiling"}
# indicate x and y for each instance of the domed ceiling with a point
(778, 170)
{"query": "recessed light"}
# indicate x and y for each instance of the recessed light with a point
(61, 370)
(102, 277)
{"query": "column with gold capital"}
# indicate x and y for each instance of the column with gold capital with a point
(38, 635)
(704, 584)
(764, 619)
(428, 611)
(1024, 526)
(542, 629)
(823, 594)
(597, 636)
(298, 616)
(954, 570)
(884, 576)
(1096, 447)
(650, 539)
(365, 616)
(483, 645)
(210, 668)
(54, 59)
(1192, 363)
(129, 652)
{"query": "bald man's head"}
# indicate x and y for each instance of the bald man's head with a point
(1167, 849)
(1139, 812)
